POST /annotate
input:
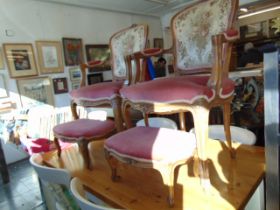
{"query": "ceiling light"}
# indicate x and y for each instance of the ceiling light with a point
(243, 9)
(259, 12)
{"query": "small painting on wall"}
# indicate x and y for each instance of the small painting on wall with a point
(158, 43)
(20, 59)
(49, 57)
(99, 52)
(73, 51)
(60, 85)
(35, 91)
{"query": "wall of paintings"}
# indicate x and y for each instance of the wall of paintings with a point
(42, 45)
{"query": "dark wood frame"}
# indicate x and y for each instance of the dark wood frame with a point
(56, 88)
(104, 55)
(94, 78)
(73, 47)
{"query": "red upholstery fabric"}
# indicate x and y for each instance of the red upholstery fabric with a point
(83, 129)
(32, 146)
(152, 144)
(176, 89)
(96, 92)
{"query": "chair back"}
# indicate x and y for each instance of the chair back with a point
(79, 193)
(48, 174)
(193, 29)
(124, 42)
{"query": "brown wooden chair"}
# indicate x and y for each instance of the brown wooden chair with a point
(202, 42)
(124, 42)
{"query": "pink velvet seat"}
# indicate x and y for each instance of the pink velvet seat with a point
(97, 92)
(175, 90)
(82, 131)
(159, 148)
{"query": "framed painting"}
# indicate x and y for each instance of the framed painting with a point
(3, 87)
(49, 57)
(60, 85)
(1, 59)
(75, 85)
(158, 43)
(94, 78)
(35, 91)
(100, 52)
(75, 74)
(20, 59)
(73, 51)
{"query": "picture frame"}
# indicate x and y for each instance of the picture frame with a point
(49, 57)
(20, 59)
(3, 87)
(1, 59)
(99, 52)
(158, 43)
(73, 51)
(60, 85)
(75, 85)
(35, 91)
(75, 74)
(94, 78)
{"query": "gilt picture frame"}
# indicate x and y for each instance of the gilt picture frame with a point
(20, 59)
(35, 91)
(158, 43)
(1, 59)
(49, 57)
(73, 51)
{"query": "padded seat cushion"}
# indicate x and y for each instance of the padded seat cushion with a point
(83, 129)
(96, 92)
(184, 89)
(152, 144)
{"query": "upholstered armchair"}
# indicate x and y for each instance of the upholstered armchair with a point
(124, 42)
(202, 40)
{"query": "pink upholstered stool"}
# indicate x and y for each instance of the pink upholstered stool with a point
(159, 148)
(82, 131)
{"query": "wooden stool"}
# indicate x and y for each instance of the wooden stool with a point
(159, 148)
(82, 131)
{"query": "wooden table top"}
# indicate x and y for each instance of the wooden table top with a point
(233, 181)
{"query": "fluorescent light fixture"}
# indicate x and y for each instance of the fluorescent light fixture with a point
(259, 12)
(243, 9)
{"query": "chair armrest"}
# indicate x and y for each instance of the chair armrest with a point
(231, 35)
(85, 66)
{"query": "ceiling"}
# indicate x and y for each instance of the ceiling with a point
(154, 8)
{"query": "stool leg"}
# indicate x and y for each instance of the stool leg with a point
(167, 173)
(56, 142)
(83, 147)
(74, 110)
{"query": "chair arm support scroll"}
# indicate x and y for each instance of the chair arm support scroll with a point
(84, 67)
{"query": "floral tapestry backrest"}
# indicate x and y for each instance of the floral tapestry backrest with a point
(126, 42)
(193, 29)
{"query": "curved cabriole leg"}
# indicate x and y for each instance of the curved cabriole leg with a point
(56, 142)
(74, 110)
(201, 120)
(126, 115)
(226, 114)
(116, 105)
(167, 173)
(83, 147)
(113, 163)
